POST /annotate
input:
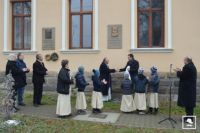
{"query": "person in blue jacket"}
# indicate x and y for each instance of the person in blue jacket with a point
(81, 84)
(20, 91)
(127, 102)
(97, 102)
(154, 81)
(140, 91)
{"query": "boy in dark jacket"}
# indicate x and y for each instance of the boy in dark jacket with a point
(153, 91)
(20, 91)
(81, 84)
(97, 102)
(127, 103)
(140, 90)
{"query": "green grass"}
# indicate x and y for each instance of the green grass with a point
(51, 99)
(42, 125)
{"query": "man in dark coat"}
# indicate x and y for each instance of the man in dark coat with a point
(187, 86)
(39, 71)
(105, 77)
(134, 66)
(20, 91)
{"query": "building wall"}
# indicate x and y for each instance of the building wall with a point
(1, 27)
(186, 31)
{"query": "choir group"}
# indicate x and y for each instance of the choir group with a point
(144, 90)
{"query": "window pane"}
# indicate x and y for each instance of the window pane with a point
(157, 3)
(27, 32)
(143, 29)
(27, 7)
(75, 6)
(18, 8)
(17, 32)
(87, 31)
(157, 29)
(144, 4)
(87, 5)
(75, 31)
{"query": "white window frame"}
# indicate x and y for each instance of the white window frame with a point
(168, 47)
(6, 27)
(64, 45)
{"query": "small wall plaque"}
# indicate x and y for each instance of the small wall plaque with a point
(114, 36)
(48, 39)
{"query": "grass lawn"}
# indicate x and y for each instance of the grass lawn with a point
(51, 99)
(41, 125)
(45, 125)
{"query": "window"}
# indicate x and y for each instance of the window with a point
(81, 24)
(21, 24)
(150, 23)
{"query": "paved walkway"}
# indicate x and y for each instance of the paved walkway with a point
(123, 119)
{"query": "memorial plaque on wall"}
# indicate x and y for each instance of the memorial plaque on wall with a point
(114, 36)
(48, 39)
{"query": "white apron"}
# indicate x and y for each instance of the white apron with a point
(63, 105)
(108, 97)
(153, 100)
(97, 102)
(127, 103)
(140, 101)
(81, 101)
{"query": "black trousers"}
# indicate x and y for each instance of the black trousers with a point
(37, 93)
(189, 111)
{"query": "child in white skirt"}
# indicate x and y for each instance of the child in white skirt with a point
(97, 102)
(140, 90)
(81, 84)
(127, 103)
(153, 91)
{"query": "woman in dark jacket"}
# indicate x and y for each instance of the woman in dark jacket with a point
(11, 67)
(105, 77)
(187, 86)
(63, 89)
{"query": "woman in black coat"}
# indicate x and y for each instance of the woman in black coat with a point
(63, 89)
(105, 77)
(187, 86)
(11, 68)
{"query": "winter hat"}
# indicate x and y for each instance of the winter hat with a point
(96, 72)
(81, 69)
(141, 70)
(126, 75)
(154, 69)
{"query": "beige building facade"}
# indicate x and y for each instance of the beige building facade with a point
(177, 30)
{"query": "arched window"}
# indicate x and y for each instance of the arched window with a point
(21, 24)
(150, 23)
(81, 24)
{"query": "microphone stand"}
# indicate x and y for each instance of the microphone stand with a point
(169, 118)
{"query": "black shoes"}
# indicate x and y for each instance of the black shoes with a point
(22, 104)
(81, 112)
(96, 111)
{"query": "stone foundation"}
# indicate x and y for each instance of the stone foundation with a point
(51, 82)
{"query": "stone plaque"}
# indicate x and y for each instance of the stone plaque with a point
(48, 39)
(114, 36)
